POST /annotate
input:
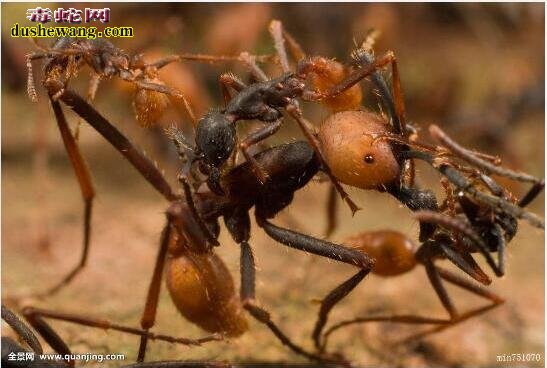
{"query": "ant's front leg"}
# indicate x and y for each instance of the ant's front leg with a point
(255, 138)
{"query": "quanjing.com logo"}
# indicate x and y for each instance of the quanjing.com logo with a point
(71, 16)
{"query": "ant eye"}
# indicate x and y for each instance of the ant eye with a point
(369, 159)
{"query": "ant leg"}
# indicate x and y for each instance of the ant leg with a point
(35, 316)
(333, 298)
(147, 169)
(211, 59)
(466, 285)
(532, 194)
(308, 131)
(21, 329)
(276, 32)
(294, 47)
(250, 63)
(439, 135)
(461, 228)
(461, 182)
(226, 81)
(332, 221)
(86, 186)
(168, 91)
(247, 268)
(254, 138)
(31, 86)
(91, 92)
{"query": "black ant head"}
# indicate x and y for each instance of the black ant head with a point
(282, 90)
(215, 138)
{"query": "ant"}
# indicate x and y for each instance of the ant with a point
(63, 61)
(396, 254)
(192, 229)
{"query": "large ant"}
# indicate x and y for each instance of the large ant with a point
(192, 229)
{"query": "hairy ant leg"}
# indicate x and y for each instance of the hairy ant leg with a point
(21, 329)
(276, 32)
(36, 318)
(333, 298)
(531, 194)
(247, 266)
(86, 186)
(147, 169)
(325, 249)
(469, 156)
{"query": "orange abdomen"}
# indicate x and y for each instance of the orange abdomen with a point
(347, 143)
(394, 252)
(203, 291)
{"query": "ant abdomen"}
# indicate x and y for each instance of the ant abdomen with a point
(327, 73)
(203, 290)
(354, 155)
(394, 252)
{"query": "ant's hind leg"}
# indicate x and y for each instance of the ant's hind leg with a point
(21, 329)
(36, 318)
(247, 265)
(86, 186)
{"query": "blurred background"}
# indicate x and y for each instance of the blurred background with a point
(476, 70)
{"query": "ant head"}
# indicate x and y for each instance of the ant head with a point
(393, 252)
(351, 144)
(215, 138)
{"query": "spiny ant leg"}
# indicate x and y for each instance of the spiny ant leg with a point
(294, 47)
(333, 298)
(466, 155)
(151, 306)
(21, 329)
(276, 32)
(86, 187)
(308, 131)
(147, 169)
(247, 266)
(268, 130)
